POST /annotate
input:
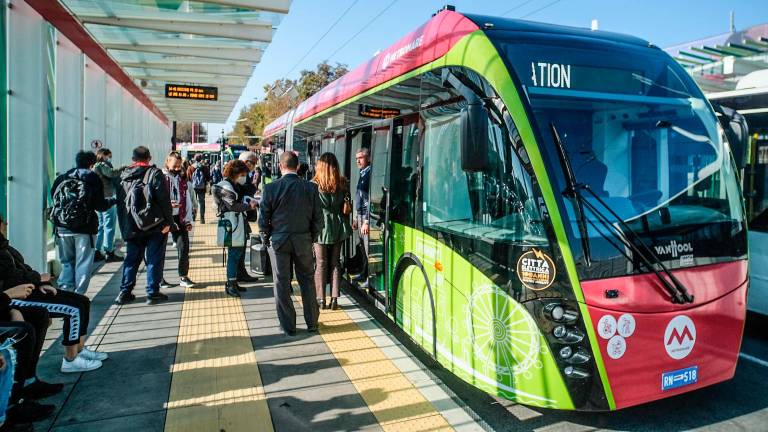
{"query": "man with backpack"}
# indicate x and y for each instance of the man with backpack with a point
(149, 217)
(77, 195)
(200, 178)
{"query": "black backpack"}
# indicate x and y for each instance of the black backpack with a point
(139, 204)
(70, 204)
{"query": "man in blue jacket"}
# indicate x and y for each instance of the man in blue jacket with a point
(78, 194)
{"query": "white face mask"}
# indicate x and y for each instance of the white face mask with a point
(241, 180)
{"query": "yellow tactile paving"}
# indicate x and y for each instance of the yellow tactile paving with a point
(215, 384)
(391, 397)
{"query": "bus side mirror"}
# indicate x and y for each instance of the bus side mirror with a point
(737, 132)
(474, 137)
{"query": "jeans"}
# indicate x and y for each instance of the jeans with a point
(6, 378)
(200, 194)
(234, 254)
(105, 240)
(181, 238)
(76, 254)
(150, 248)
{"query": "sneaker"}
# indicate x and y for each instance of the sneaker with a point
(28, 412)
(79, 364)
(40, 389)
(165, 284)
(187, 282)
(113, 257)
(98, 256)
(93, 355)
(124, 298)
(156, 298)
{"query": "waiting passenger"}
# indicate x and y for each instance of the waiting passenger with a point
(110, 179)
(228, 200)
(77, 195)
(334, 198)
(25, 334)
(181, 203)
(146, 226)
(72, 307)
(248, 189)
(200, 178)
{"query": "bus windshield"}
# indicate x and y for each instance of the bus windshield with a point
(641, 136)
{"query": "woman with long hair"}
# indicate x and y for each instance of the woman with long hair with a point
(334, 192)
(228, 199)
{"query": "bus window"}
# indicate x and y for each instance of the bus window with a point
(495, 204)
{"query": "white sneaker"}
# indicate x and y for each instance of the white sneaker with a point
(93, 355)
(79, 364)
(186, 282)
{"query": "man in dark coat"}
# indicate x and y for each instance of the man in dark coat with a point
(147, 245)
(290, 218)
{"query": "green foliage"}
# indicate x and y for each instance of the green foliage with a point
(281, 96)
(184, 132)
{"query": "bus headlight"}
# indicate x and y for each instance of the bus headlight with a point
(573, 372)
(569, 336)
(559, 313)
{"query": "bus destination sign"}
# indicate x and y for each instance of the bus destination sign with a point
(181, 91)
(377, 112)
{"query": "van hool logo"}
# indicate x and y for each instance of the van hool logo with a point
(536, 270)
(403, 50)
(673, 248)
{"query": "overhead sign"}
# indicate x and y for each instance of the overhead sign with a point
(377, 112)
(181, 91)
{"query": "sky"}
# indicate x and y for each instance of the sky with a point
(662, 22)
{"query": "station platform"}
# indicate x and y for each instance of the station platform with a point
(204, 361)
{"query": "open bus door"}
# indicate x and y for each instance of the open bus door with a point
(379, 212)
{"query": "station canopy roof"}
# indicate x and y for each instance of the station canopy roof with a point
(728, 62)
(208, 43)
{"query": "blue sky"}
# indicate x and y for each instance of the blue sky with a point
(663, 22)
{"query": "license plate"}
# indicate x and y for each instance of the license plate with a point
(679, 378)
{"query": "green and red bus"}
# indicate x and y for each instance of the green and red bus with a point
(554, 213)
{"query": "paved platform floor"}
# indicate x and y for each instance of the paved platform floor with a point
(204, 361)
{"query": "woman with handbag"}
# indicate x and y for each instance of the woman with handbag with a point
(233, 229)
(336, 203)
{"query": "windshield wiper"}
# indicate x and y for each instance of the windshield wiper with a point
(571, 191)
(677, 291)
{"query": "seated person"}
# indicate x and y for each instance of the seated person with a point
(72, 307)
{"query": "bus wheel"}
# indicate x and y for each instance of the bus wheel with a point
(414, 307)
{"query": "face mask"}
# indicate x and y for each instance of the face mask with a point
(108, 160)
(241, 180)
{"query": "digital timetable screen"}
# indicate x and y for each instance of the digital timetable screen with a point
(180, 91)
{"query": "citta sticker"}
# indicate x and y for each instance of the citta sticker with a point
(679, 378)
(536, 270)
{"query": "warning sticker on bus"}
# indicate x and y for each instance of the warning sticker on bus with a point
(536, 270)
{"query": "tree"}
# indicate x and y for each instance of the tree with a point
(184, 132)
(283, 95)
